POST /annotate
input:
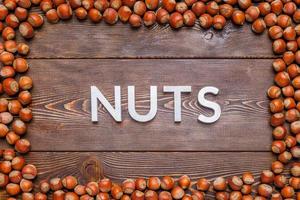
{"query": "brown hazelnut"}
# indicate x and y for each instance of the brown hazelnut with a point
(289, 103)
(184, 181)
(280, 181)
(6, 58)
(135, 20)
(287, 192)
(151, 195)
(167, 183)
(206, 21)
(64, 11)
(282, 79)
(128, 186)
(110, 16)
(139, 8)
(276, 105)
(71, 196)
(149, 18)
(244, 4)
(124, 13)
(177, 192)
(259, 26)
(153, 183)
(26, 30)
(248, 178)
(25, 83)
(212, 8)
(289, 8)
(164, 195)
(81, 13)
(198, 8)
(226, 10)
(29, 172)
(12, 138)
(270, 19)
(4, 180)
(15, 176)
(26, 185)
(23, 49)
(94, 15)
(264, 8)
(176, 20)
(52, 16)
(69, 182)
(267, 176)
(55, 184)
(219, 22)
(203, 184)
(8, 33)
(141, 184)
(285, 157)
(44, 186)
(92, 188)
(24, 97)
(116, 192)
(162, 16)
(276, 7)
(264, 190)
(18, 163)
(35, 20)
(284, 21)
(252, 13)
(220, 184)
(235, 183)
(137, 195)
(105, 185)
(101, 5)
(13, 189)
(152, 4)
(22, 146)
(169, 5)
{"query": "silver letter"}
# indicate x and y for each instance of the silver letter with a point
(153, 105)
(97, 95)
(177, 90)
(209, 104)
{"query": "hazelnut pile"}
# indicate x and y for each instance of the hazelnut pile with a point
(280, 17)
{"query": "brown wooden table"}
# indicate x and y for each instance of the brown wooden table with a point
(67, 58)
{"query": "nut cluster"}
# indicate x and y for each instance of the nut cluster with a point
(281, 18)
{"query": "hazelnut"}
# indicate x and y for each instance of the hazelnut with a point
(25, 83)
(15, 176)
(110, 16)
(295, 151)
(289, 33)
(81, 13)
(71, 196)
(105, 185)
(4, 180)
(164, 195)
(139, 8)
(162, 16)
(296, 16)
(13, 189)
(10, 46)
(270, 19)
(212, 8)
(29, 172)
(292, 46)
(287, 192)
(289, 8)
(274, 92)
(293, 70)
(135, 20)
(282, 79)
(235, 195)
(278, 146)
(258, 26)
(153, 183)
(226, 10)
(151, 4)
(169, 5)
(252, 13)
(279, 65)
(151, 195)
(289, 103)
(14, 107)
(276, 7)
(89, 4)
(69, 182)
(52, 16)
(26, 30)
(77, 3)
(206, 21)
(12, 138)
(23, 49)
(137, 195)
(9, 154)
(6, 118)
(8, 33)
(124, 13)
(167, 183)
(184, 182)
(176, 20)
(177, 192)
(246, 189)
(12, 21)
(44, 186)
(55, 184)
(64, 11)
(103, 196)
(128, 186)
(92, 188)
(3, 12)
(94, 15)
(284, 21)
(24, 97)
(264, 8)
(189, 18)
(285, 157)
(295, 183)
(198, 8)
(222, 196)
(59, 195)
(128, 3)
(141, 184)
(219, 22)
(244, 4)
(267, 176)
(275, 32)
(280, 181)
(295, 170)
(6, 58)
(203, 184)
(22, 146)
(46, 5)
(235, 183)
(25, 114)
(288, 57)
(35, 20)
(276, 105)
(149, 18)
(290, 141)
(5, 167)
(18, 163)
(26, 185)
(100, 5)
(265, 190)
(248, 178)
(220, 184)
(19, 127)
(3, 130)
(116, 192)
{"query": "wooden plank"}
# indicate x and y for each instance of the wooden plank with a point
(75, 39)
(62, 105)
(119, 165)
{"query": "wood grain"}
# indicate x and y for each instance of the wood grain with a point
(119, 165)
(73, 39)
(62, 112)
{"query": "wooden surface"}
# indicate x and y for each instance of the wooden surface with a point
(67, 58)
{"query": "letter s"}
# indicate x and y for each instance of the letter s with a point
(209, 104)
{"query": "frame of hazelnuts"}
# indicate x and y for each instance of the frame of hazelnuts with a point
(281, 18)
